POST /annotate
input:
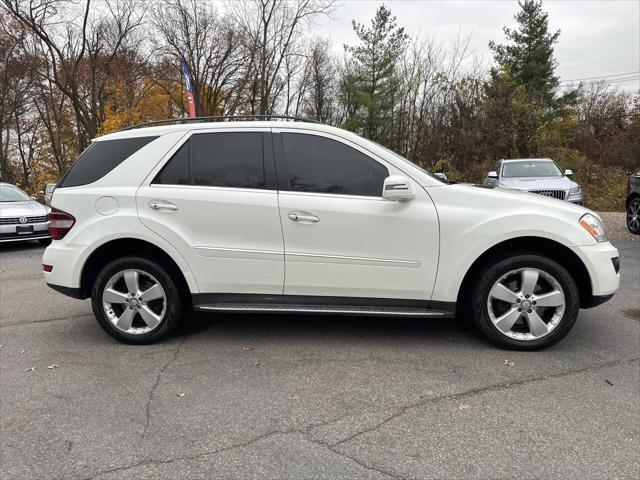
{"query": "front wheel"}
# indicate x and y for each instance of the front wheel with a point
(136, 301)
(633, 216)
(525, 302)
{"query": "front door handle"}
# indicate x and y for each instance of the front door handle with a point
(162, 205)
(307, 217)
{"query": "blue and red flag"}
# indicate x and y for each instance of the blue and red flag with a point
(187, 79)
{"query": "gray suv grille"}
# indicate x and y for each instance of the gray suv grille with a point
(16, 220)
(559, 194)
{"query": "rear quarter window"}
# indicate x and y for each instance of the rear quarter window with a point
(100, 158)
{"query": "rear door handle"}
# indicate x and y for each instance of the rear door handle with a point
(162, 205)
(307, 217)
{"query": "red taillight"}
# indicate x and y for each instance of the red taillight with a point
(47, 268)
(60, 223)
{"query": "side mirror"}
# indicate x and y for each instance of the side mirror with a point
(568, 172)
(397, 188)
(492, 174)
(442, 175)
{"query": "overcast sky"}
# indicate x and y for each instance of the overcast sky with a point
(598, 37)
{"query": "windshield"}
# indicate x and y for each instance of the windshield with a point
(9, 193)
(531, 168)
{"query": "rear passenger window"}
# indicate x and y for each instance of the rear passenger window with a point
(228, 159)
(100, 158)
(176, 170)
(320, 164)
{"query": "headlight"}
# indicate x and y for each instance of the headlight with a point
(594, 226)
(575, 191)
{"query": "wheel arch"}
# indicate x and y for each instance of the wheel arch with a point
(630, 197)
(120, 247)
(536, 245)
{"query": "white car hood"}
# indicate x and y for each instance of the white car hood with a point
(29, 208)
(538, 183)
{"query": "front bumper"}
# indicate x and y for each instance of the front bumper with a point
(8, 233)
(603, 273)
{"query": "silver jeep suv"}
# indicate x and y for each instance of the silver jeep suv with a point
(535, 175)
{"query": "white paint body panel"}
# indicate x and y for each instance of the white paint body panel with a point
(227, 240)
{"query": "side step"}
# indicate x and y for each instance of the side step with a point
(323, 309)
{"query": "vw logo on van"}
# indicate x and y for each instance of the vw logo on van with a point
(22, 219)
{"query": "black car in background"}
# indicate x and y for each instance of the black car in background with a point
(633, 203)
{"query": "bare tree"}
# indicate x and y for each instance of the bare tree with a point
(79, 55)
(320, 72)
(273, 32)
(214, 52)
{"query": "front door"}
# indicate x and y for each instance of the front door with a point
(342, 239)
(215, 201)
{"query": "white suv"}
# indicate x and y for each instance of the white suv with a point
(273, 216)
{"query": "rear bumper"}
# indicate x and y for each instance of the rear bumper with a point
(66, 261)
(68, 291)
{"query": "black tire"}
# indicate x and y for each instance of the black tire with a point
(174, 300)
(44, 241)
(494, 270)
(633, 208)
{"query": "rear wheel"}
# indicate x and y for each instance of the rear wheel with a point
(525, 302)
(633, 216)
(136, 301)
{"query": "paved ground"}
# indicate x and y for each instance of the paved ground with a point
(303, 397)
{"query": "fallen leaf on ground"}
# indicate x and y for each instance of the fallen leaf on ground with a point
(257, 364)
(508, 362)
(180, 395)
(53, 366)
(465, 407)
(22, 351)
(31, 369)
(608, 382)
(248, 349)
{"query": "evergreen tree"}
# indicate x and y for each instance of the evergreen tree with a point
(529, 55)
(372, 81)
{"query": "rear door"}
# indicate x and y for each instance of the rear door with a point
(342, 239)
(214, 198)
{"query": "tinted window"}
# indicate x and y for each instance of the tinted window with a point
(176, 170)
(100, 158)
(318, 164)
(229, 159)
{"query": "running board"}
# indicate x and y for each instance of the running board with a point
(323, 309)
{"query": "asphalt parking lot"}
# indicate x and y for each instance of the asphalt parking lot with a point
(240, 396)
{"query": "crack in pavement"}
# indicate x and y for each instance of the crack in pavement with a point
(46, 320)
(307, 432)
(247, 443)
(352, 458)
(156, 384)
(479, 390)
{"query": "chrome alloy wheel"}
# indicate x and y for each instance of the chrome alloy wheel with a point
(633, 215)
(526, 304)
(134, 301)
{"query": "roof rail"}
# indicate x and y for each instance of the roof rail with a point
(218, 118)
